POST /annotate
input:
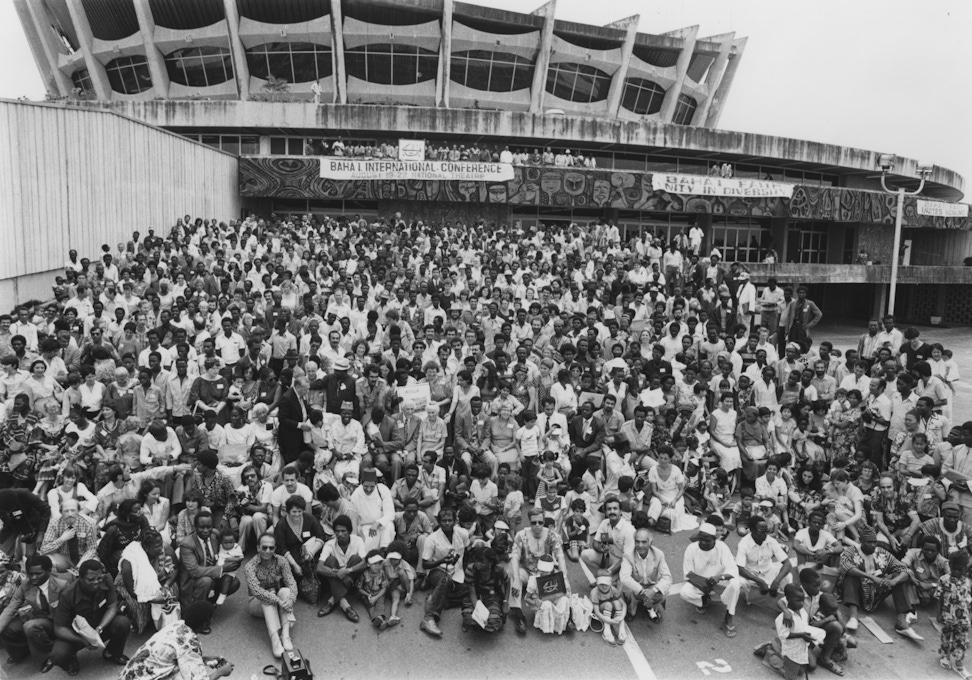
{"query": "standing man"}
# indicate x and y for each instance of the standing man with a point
(877, 418)
(770, 305)
(803, 316)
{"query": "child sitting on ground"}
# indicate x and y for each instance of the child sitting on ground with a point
(401, 579)
(742, 511)
(229, 551)
(718, 495)
(372, 586)
(513, 503)
(577, 529)
(839, 509)
(609, 607)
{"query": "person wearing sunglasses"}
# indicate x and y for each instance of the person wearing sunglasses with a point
(529, 545)
(253, 504)
(273, 592)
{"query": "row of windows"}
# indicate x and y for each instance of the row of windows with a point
(294, 62)
(491, 71)
(200, 66)
(390, 64)
(578, 82)
(245, 145)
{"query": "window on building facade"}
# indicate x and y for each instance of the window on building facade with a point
(129, 75)
(578, 82)
(82, 80)
(813, 242)
(642, 96)
(294, 62)
(684, 110)
(200, 66)
(491, 71)
(741, 239)
(389, 64)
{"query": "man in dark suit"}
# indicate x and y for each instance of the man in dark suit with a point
(472, 433)
(200, 578)
(586, 438)
(25, 516)
(292, 412)
(31, 632)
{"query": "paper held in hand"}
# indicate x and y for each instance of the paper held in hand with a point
(480, 614)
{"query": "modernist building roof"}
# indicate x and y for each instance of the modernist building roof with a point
(438, 53)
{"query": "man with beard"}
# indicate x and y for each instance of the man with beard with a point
(70, 539)
(612, 541)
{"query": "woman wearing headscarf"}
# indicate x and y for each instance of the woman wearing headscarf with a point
(146, 577)
(128, 526)
(174, 653)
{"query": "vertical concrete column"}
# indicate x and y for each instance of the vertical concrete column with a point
(37, 27)
(880, 305)
(617, 82)
(96, 70)
(688, 36)
(715, 111)
(543, 56)
(714, 77)
(445, 56)
(240, 68)
(337, 44)
(146, 27)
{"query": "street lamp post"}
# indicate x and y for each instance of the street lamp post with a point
(886, 161)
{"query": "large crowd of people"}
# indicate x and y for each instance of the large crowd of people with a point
(350, 414)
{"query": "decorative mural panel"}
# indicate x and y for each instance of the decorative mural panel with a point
(289, 177)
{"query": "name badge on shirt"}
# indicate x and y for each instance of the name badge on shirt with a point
(306, 534)
(17, 513)
(102, 603)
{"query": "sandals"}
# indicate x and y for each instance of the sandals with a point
(394, 621)
(730, 630)
(831, 666)
(326, 609)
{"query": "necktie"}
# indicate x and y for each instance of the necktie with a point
(73, 549)
(209, 554)
(44, 603)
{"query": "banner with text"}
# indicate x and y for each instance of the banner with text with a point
(701, 185)
(354, 168)
(939, 209)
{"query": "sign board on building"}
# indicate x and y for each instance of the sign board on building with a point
(352, 168)
(411, 150)
(702, 185)
(940, 209)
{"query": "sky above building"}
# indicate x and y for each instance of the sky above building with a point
(884, 75)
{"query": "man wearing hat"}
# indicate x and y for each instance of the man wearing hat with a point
(708, 565)
(952, 532)
(375, 508)
(347, 441)
(338, 388)
(868, 574)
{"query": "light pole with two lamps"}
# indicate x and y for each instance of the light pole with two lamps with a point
(886, 163)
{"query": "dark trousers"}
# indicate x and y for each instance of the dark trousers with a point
(199, 589)
(873, 443)
(903, 594)
(115, 637)
(34, 637)
(338, 587)
(445, 593)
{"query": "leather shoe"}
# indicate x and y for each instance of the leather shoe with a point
(519, 623)
(47, 666)
(118, 659)
(430, 627)
(74, 668)
(11, 660)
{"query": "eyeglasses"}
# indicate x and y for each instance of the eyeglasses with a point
(537, 524)
(267, 548)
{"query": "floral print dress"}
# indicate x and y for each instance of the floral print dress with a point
(955, 595)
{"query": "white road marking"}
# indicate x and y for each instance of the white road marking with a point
(637, 658)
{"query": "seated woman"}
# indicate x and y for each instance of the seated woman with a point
(667, 485)
(71, 487)
(174, 652)
(155, 507)
(273, 592)
(300, 536)
(147, 576)
(128, 526)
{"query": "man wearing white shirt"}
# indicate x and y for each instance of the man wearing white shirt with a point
(708, 564)
(612, 541)
(23, 326)
(762, 561)
(645, 577)
(890, 336)
(160, 446)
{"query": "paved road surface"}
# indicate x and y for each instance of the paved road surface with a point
(684, 645)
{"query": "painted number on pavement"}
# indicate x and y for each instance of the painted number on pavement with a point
(720, 666)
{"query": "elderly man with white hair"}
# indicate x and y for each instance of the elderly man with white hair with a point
(645, 577)
(708, 565)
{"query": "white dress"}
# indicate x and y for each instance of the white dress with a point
(667, 489)
(725, 429)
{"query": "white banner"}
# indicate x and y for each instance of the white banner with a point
(702, 185)
(939, 209)
(354, 168)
